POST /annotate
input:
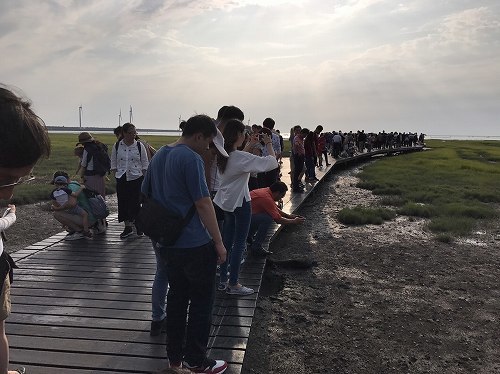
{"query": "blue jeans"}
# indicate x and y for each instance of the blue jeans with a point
(160, 286)
(234, 236)
(259, 229)
(191, 296)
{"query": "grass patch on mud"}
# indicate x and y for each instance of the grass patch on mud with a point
(455, 184)
(62, 158)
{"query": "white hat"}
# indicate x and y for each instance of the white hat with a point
(219, 143)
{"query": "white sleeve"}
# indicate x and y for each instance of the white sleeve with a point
(83, 162)
(251, 163)
(7, 221)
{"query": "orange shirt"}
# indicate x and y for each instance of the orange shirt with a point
(263, 202)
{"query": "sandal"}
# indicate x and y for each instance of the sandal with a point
(21, 370)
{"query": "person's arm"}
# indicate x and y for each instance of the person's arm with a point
(209, 157)
(206, 212)
(9, 219)
(290, 220)
(76, 193)
(268, 142)
(252, 143)
(276, 144)
(287, 219)
(83, 164)
(114, 166)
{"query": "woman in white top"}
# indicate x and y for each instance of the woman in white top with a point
(129, 162)
(233, 197)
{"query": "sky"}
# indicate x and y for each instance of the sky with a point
(430, 66)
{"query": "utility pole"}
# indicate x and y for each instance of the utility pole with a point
(80, 112)
(131, 115)
(120, 118)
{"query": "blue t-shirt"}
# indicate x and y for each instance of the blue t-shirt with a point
(176, 176)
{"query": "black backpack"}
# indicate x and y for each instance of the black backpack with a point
(97, 204)
(99, 153)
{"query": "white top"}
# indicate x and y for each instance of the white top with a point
(90, 165)
(234, 181)
(6, 222)
(61, 196)
(127, 160)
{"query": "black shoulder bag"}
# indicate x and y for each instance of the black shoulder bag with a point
(161, 225)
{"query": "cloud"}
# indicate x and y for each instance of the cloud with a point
(355, 63)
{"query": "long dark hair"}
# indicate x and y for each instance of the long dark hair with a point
(231, 133)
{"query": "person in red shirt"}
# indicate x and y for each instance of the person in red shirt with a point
(265, 212)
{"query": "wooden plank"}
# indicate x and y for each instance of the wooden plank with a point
(89, 361)
(76, 345)
(37, 278)
(83, 275)
(89, 312)
(83, 295)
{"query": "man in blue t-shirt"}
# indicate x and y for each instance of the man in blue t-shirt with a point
(176, 179)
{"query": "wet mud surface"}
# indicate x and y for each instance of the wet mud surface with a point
(380, 299)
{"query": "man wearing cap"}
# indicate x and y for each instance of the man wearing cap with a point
(95, 160)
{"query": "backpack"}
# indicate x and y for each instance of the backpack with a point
(97, 203)
(150, 149)
(99, 153)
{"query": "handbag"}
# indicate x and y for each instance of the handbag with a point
(161, 225)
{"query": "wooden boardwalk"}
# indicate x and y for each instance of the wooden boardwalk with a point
(85, 306)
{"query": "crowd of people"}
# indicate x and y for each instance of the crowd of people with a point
(347, 144)
(224, 176)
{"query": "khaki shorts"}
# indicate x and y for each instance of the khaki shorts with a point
(5, 299)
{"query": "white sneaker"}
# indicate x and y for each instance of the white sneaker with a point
(239, 290)
(209, 367)
(74, 236)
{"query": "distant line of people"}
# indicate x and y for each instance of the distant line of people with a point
(309, 148)
(347, 144)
